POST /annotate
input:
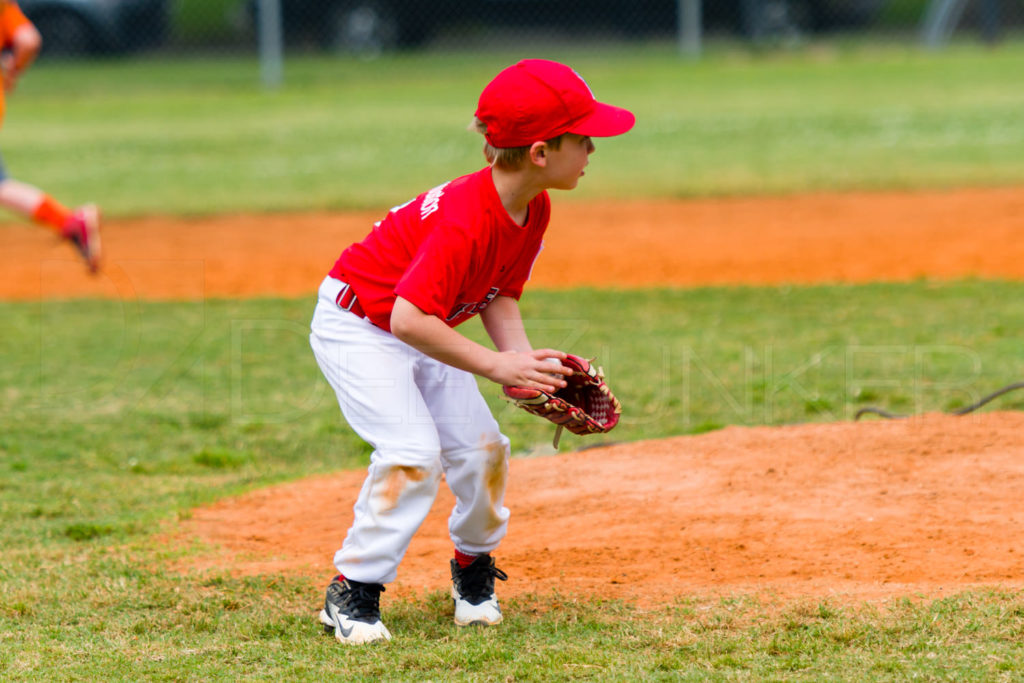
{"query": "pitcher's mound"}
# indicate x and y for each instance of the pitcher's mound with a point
(928, 505)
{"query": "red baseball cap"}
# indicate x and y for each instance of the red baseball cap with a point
(537, 100)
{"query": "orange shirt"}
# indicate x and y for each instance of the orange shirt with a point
(11, 19)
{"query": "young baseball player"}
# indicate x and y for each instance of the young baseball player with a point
(19, 44)
(383, 335)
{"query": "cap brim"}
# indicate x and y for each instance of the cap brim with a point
(606, 121)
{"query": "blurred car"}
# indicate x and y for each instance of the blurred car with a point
(369, 27)
(85, 27)
(755, 18)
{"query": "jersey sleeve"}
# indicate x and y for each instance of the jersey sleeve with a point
(11, 19)
(435, 276)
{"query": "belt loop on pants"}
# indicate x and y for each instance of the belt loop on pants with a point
(347, 301)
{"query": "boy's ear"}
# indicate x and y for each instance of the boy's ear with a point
(539, 154)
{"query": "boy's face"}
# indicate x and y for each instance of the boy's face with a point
(565, 164)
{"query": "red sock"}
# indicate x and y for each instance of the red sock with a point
(51, 212)
(463, 559)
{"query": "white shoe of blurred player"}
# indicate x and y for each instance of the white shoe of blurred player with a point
(473, 592)
(352, 612)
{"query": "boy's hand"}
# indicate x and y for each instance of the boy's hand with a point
(586, 406)
(540, 369)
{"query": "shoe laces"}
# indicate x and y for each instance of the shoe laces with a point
(357, 600)
(475, 583)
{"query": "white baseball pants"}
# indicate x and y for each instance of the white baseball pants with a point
(424, 419)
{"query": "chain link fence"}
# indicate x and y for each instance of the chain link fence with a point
(74, 29)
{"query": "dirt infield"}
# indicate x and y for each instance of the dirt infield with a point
(862, 510)
(868, 510)
(805, 239)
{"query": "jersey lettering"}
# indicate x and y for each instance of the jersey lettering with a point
(431, 201)
(472, 308)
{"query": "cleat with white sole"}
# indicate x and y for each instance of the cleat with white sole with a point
(473, 592)
(352, 612)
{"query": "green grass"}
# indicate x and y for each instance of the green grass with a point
(201, 136)
(225, 630)
(118, 417)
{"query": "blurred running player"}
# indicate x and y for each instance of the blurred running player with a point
(19, 44)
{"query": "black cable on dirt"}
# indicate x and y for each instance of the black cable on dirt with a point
(963, 411)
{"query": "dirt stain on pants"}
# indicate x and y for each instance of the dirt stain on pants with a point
(397, 479)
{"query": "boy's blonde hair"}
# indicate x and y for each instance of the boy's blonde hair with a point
(508, 158)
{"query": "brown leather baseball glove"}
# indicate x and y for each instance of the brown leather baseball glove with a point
(585, 406)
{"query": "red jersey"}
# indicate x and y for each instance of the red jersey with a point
(449, 251)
